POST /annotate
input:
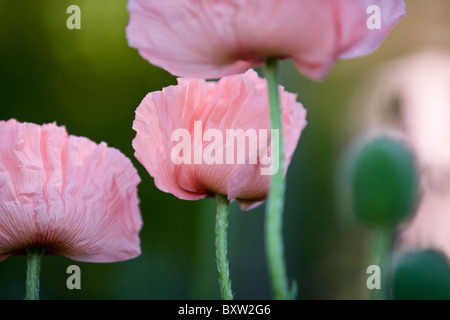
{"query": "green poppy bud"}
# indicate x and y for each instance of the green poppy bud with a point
(384, 182)
(423, 275)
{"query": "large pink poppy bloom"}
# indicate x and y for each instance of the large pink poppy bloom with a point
(211, 39)
(66, 194)
(188, 137)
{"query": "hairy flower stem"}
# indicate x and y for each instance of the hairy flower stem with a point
(275, 201)
(221, 246)
(34, 258)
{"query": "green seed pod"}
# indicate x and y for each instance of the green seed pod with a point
(384, 182)
(423, 275)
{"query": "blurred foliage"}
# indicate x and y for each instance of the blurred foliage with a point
(90, 81)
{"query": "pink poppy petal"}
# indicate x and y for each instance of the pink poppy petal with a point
(368, 40)
(212, 39)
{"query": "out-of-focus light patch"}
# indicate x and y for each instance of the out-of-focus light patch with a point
(421, 86)
(99, 45)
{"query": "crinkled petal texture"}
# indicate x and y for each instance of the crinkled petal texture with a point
(211, 39)
(207, 119)
(66, 194)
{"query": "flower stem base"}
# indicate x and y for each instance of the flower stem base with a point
(34, 259)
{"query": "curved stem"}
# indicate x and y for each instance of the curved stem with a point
(221, 247)
(34, 259)
(275, 201)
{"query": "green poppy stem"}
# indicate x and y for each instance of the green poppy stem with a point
(381, 256)
(221, 246)
(34, 259)
(275, 201)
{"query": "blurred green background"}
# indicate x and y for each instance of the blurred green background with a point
(90, 81)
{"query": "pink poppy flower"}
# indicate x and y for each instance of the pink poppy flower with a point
(66, 194)
(211, 39)
(199, 138)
